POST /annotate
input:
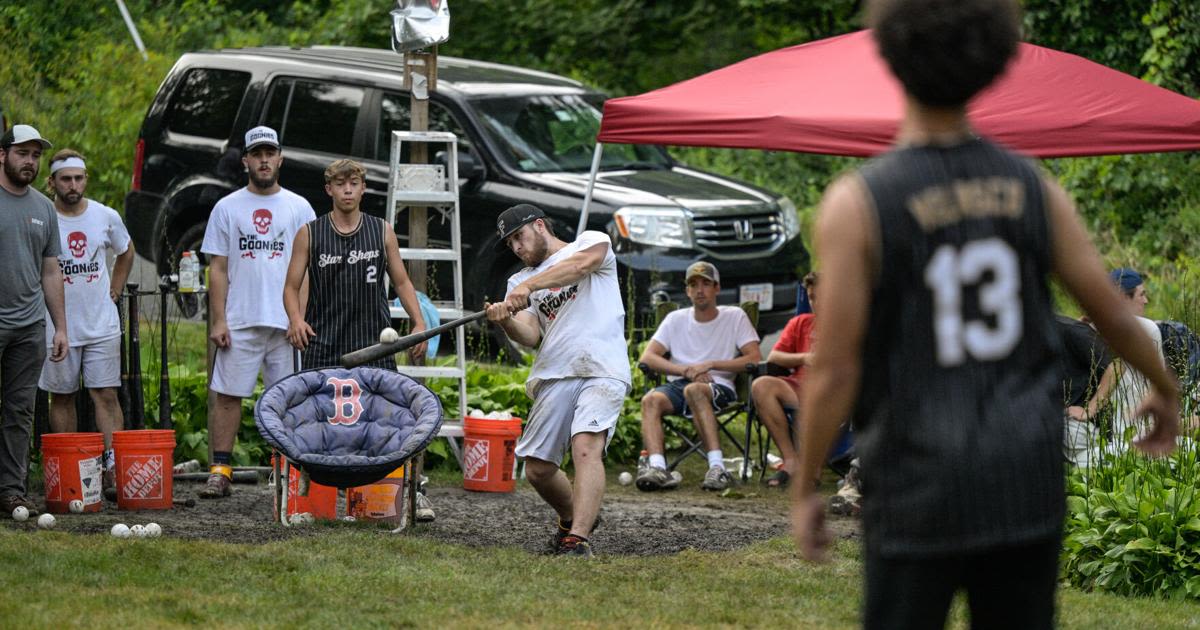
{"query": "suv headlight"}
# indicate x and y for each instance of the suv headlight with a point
(664, 227)
(791, 221)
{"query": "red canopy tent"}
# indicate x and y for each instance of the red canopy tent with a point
(835, 96)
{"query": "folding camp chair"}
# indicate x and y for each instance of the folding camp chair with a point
(840, 454)
(724, 416)
(346, 428)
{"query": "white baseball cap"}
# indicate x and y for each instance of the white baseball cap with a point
(20, 134)
(261, 135)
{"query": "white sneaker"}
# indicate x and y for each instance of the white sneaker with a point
(717, 478)
(424, 509)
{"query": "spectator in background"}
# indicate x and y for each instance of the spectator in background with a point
(777, 398)
(30, 286)
(1085, 358)
(88, 230)
(707, 344)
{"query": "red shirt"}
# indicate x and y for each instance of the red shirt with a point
(798, 336)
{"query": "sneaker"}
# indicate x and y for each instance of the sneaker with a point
(562, 530)
(108, 484)
(717, 478)
(848, 500)
(217, 486)
(10, 502)
(651, 478)
(424, 512)
(573, 545)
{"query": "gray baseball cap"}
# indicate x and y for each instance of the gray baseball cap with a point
(20, 134)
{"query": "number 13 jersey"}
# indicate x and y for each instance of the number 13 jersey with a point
(959, 419)
(347, 294)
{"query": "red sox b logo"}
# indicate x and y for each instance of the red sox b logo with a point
(346, 404)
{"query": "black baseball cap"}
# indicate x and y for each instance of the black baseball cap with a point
(512, 219)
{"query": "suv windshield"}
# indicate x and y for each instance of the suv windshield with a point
(551, 133)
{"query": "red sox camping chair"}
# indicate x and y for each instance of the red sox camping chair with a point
(346, 427)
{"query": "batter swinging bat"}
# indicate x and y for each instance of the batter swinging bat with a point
(381, 350)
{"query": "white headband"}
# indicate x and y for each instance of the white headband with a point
(71, 162)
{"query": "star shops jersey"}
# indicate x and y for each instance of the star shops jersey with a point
(347, 292)
(959, 419)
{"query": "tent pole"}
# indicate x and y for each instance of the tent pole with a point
(587, 196)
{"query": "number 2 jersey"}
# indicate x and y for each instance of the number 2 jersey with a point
(959, 419)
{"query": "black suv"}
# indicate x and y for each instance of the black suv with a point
(524, 136)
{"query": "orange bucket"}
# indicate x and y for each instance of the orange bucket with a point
(321, 501)
(144, 466)
(71, 463)
(379, 501)
(488, 456)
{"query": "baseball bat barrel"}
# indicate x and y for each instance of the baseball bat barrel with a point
(381, 350)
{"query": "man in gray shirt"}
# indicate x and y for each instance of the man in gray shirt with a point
(31, 286)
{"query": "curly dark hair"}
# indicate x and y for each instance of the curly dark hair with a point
(945, 51)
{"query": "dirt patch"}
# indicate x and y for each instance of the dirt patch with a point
(634, 523)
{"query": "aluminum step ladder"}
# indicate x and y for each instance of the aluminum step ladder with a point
(434, 186)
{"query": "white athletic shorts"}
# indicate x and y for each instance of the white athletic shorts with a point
(100, 362)
(235, 369)
(564, 407)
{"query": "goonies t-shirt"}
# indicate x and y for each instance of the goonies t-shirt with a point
(583, 325)
(255, 232)
(86, 239)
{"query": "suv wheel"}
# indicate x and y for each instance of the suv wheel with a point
(191, 305)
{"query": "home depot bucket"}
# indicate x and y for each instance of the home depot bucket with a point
(379, 501)
(71, 465)
(144, 463)
(488, 454)
(321, 501)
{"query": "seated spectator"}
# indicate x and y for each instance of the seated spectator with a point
(1123, 386)
(707, 344)
(776, 398)
(1085, 358)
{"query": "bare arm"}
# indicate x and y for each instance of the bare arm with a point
(404, 289)
(120, 274)
(843, 246)
(52, 289)
(522, 328)
(299, 332)
(750, 353)
(790, 359)
(218, 288)
(1078, 265)
(655, 358)
(571, 269)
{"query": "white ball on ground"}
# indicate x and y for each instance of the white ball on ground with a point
(120, 530)
(388, 335)
(153, 530)
(75, 506)
(20, 513)
(625, 478)
(137, 531)
(46, 521)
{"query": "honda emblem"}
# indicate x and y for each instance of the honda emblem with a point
(743, 230)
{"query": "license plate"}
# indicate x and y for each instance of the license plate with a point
(763, 293)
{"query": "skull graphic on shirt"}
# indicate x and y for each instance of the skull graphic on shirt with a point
(77, 243)
(262, 220)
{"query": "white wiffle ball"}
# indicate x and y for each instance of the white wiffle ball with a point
(46, 521)
(625, 478)
(153, 530)
(388, 335)
(120, 530)
(137, 531)
(20, 513)
(75, 506)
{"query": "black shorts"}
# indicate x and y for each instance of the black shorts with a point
(1007, 587)
(722, 396)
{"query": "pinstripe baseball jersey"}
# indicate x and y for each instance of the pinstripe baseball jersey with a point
(959, 418)
(347, 293)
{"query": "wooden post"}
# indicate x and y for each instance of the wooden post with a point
(420, 79)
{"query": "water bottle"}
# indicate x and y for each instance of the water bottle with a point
(189, 272)
(644, 460)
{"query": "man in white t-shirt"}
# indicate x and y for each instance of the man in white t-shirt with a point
(249, 244)
(1121, 385)
(707, 345)
(87, 231)
(567, 297)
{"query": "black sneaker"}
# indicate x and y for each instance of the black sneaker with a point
(10, 502)
(562, 530)
(573, 545)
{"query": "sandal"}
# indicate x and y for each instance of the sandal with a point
(780, 479)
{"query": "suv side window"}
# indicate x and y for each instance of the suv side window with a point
(207, 102)
(315, 116)
(394, 116)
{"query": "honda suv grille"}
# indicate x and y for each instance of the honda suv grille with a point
(741, 234)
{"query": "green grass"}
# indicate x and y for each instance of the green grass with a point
(354, 575)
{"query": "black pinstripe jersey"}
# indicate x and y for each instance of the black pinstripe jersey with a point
(959, 419)
(347, 290)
